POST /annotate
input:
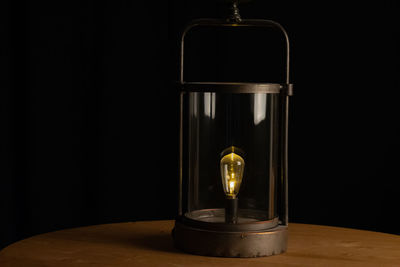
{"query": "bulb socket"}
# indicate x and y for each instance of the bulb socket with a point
(231, 210)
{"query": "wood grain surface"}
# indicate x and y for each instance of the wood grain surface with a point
(149, 243)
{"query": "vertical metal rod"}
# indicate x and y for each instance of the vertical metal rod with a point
(182, 62)
(285, 160)
(180, 153)
(272, 161)
(285, 132)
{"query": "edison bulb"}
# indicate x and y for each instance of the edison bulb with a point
(232, 166)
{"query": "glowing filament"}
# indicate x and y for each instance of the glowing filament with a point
(232, 166)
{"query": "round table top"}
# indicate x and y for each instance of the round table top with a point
(149, 243)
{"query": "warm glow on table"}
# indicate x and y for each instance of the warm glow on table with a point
(150, 244)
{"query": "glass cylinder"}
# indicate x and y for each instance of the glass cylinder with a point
(230, 151)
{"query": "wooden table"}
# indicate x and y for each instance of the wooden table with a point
(149, 244)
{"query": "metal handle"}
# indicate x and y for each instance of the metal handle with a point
(224, 23)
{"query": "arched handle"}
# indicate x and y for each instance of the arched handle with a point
(224, 23)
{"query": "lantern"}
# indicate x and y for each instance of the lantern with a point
(233, 197)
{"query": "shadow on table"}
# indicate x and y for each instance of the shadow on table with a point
(121, 236)
(162, 241)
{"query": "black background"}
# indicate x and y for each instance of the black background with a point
(89, 111)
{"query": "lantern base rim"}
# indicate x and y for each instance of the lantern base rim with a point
(230, 244)
(214, 220)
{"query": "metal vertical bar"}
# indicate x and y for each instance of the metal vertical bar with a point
(180, 153)
(272, 162)
(285, 132)
(285, 159)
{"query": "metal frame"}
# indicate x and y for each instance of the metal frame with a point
(267, 241)
(225, 87)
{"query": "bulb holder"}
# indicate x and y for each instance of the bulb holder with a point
(231, 210)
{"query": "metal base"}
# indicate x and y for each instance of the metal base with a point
(230, 244)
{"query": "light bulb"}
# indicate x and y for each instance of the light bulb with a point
(232, 167)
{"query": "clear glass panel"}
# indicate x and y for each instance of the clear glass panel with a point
(214, 124)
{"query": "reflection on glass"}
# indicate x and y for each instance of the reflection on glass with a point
(259, 107)
(209, 105)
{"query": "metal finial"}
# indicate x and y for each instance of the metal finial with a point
(235, 16)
